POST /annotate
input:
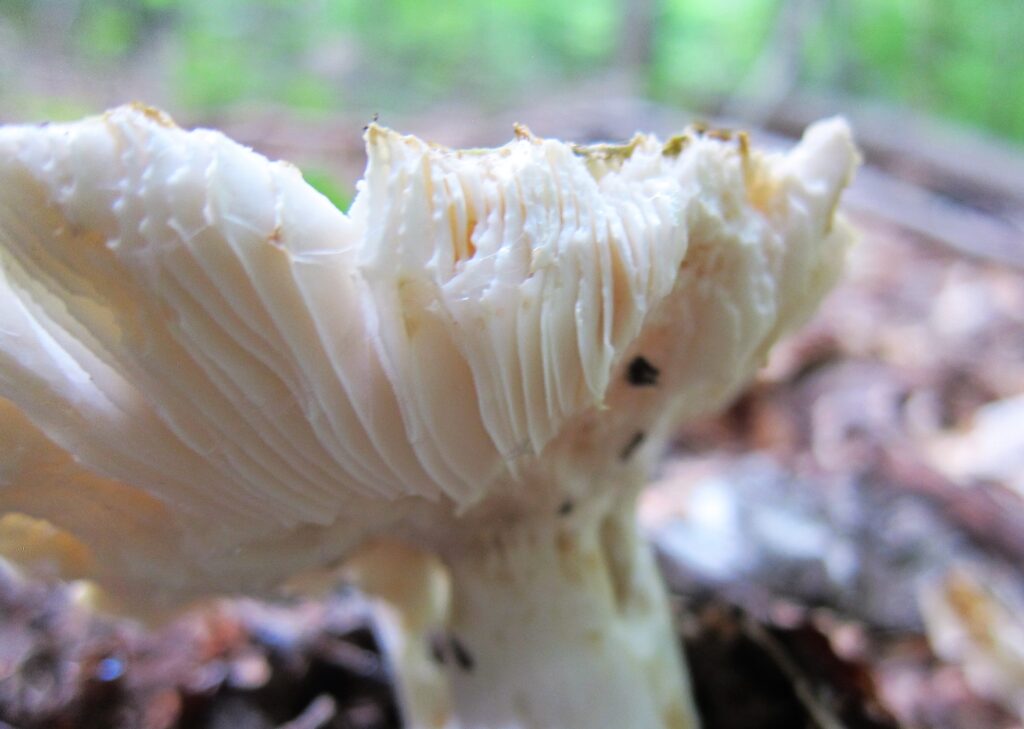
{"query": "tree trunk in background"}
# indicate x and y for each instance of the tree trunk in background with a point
(776, 72)
(635, 51)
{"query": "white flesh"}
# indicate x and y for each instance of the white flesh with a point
(564, 625)
(212, 380)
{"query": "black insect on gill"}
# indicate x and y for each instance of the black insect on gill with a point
(437, 647)
(463, 657)
(630, 448)
(642, 373)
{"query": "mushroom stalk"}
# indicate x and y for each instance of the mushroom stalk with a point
(564, 625)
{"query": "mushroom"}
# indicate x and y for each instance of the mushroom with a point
(212, 380)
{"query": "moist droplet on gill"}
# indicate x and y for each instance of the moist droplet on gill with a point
(642, 373)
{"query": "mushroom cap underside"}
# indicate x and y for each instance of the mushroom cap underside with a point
(211, 378)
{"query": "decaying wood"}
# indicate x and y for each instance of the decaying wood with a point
(922, 212)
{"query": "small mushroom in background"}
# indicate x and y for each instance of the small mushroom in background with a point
(213, 380)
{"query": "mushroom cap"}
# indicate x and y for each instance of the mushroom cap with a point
(211, 378)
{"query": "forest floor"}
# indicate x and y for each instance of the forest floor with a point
(844, 545)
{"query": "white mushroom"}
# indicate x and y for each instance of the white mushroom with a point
(214, 380)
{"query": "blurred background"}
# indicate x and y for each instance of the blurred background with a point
(845, 543)
(305, 76)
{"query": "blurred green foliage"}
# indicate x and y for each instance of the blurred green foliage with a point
(329, 186)
(961, 59)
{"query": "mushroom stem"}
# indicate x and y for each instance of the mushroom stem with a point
(564, 625)
(410, 588)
